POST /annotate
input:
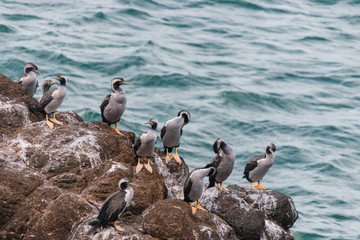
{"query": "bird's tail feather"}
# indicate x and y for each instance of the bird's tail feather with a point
(36, 110)
(32, 108)
(95, 225)
(212, 182)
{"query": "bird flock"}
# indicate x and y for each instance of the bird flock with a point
(112, 109)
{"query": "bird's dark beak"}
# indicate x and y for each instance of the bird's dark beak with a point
(39, 72)
(272, 151)
(53, 82)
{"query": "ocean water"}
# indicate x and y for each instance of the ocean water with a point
(250, 72)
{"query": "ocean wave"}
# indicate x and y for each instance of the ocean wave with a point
(258, 102)
(21, 17)
(6, 29)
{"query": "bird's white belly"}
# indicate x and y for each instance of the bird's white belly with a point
(115, 109)
(30, 84)
(147, 146)
(172, 137)
(129, 195)
(58, 98)
(259, 172)
(224, 170)
(196, 190)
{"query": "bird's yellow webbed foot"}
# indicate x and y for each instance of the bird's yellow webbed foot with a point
(193, 209)
(54, 120)
(50, 124)
(117, 226)
(168, 156)
(251, 185)
(117, 130)
(148, 167)
(260, 187)
(223, 188)
(199, 207)
(139, 166)
(176, 157)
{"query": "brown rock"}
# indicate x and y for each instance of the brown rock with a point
(106, 182)
(29, 212)
(148, 188)
(15, 185)
(11, 90)
(13, 106)
(70, 181)
(59, 217)
(173, 219)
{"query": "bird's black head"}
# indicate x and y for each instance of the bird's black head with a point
(271, 148)
(116, 82)
(153, 123)
(212, 168)
(218, 144)
(61, 78)
(30, 67)
(186, 115)
(47, 85)
(124, 183)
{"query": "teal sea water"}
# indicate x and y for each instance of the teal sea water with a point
(250, 72)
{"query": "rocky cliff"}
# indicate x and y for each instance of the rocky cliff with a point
(53, 183)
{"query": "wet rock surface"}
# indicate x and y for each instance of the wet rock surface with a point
(53, 182)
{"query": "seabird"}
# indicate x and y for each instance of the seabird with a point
(224, 163)
(171, 133)
(193, 187)
(114, 206)
(47, 85)
(114, 104)
(257, 167)
(145, 144)
(52, 99)
(28, 81)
